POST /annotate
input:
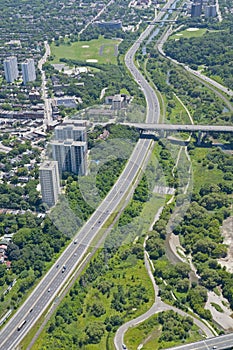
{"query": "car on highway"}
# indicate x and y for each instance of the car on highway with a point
(21, 325)
(124, 347)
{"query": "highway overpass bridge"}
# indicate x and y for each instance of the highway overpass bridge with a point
(179, 127)
(163, 21)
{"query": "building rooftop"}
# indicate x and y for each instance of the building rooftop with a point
(47, 165)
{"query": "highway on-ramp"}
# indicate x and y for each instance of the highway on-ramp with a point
(48, 288)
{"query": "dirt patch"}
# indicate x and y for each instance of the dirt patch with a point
(227, 232)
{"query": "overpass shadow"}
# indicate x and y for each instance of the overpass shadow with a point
(157, 138)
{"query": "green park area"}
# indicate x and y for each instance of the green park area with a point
(189, 33)
(99, 50)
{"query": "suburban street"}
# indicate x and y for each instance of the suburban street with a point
(47, 105)
(97, 16)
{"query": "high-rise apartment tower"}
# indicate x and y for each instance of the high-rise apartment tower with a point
(28, 71)
(11, 69)
(70, 155)
(50, 182)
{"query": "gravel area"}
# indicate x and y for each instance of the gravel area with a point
(227, 232)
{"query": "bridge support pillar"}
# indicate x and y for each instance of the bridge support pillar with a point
(199, 138)
(162, 133)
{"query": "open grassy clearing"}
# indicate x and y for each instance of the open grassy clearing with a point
(201, 175)
(189, 33)
(176, 114)
(100, 50)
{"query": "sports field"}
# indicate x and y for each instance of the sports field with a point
(97, 51)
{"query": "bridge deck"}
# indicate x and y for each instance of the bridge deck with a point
(187, 127)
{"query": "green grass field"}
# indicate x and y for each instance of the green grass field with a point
(178, 114)
(99, 50)
(189, 33)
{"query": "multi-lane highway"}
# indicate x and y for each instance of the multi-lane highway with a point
(47, 290)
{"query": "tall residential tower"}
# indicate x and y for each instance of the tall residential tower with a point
(69, 147)
(50, 182)
(70, 155)
(69, 131)
(28, 71)
(11, 69)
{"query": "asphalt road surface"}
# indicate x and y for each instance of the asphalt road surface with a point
(222, 342)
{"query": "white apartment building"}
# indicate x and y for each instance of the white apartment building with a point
(28, 71)
(70, 132)
(11, 69)
(50, 182)
(71, 156)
